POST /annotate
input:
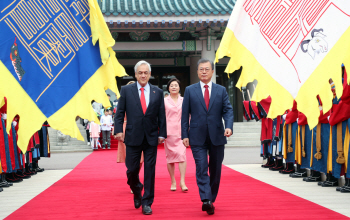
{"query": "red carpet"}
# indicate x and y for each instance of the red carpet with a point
(97, 189)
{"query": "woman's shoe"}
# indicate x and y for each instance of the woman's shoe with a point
(173, 187)
(184, 188)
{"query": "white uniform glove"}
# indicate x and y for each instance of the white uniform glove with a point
(4, 116)
(14, 123)
(284, 116)
(328, 117)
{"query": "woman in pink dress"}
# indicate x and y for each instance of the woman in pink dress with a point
(175, 151)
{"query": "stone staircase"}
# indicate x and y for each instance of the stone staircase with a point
(73, 145)
(245, 134)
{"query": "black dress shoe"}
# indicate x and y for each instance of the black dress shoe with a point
(29, 172)
(278, 165)
(345, 189)
(289, 168)
(12, 179)
(1, 189)
(313, 179)
(38, 169)
(137, 201)
(339, 188)
(22, 176)
(5, 184)
(298, 174)
(276, 168)
(330, 183)
(208, 207)
(211, 211)
(146, 210)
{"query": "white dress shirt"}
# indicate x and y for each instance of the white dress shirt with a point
(146, 91)
(210, 84)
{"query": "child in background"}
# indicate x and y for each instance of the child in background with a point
(112, 116)
(87, 128)
(95, 131)
(106, 127)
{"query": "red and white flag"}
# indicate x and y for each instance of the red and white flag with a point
(292, 48)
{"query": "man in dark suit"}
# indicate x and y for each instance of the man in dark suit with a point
(206, 103)
(143, 105)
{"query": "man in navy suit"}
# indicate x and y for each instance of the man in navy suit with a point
(206, 103)
(143, 105)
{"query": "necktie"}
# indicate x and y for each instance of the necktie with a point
(143, 101)
(206, 96)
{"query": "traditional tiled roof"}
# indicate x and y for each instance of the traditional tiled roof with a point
(165, 7)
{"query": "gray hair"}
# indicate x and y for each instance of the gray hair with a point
(142, 62)
(204, 60)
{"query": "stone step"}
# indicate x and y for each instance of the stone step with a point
(71, 150)
(246, 135)
(246, 130)
(246, 124)
(71, 147)
(244, 143)
(239, 146)
(254, 138)
(72, 140)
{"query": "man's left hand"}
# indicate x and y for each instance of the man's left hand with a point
(228, 132)
(160, 140)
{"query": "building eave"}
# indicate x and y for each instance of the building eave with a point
(166, 7)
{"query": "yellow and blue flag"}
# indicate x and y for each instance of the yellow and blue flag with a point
(292, 48)
(56, 57)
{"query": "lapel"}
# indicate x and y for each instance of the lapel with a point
(212, 95)
(152, 96)
(171, 101)
(136, 96)
(199, 93)
(179, 101)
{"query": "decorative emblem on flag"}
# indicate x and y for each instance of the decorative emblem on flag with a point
(292, 48)
(60, 59)
(16, 61)
(316, 45)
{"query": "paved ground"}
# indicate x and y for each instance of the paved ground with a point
(242, 155)
(324, 196)
(20, 193)
(60, 161)
(244, 160)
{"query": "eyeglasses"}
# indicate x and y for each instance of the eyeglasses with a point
(204, 70)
